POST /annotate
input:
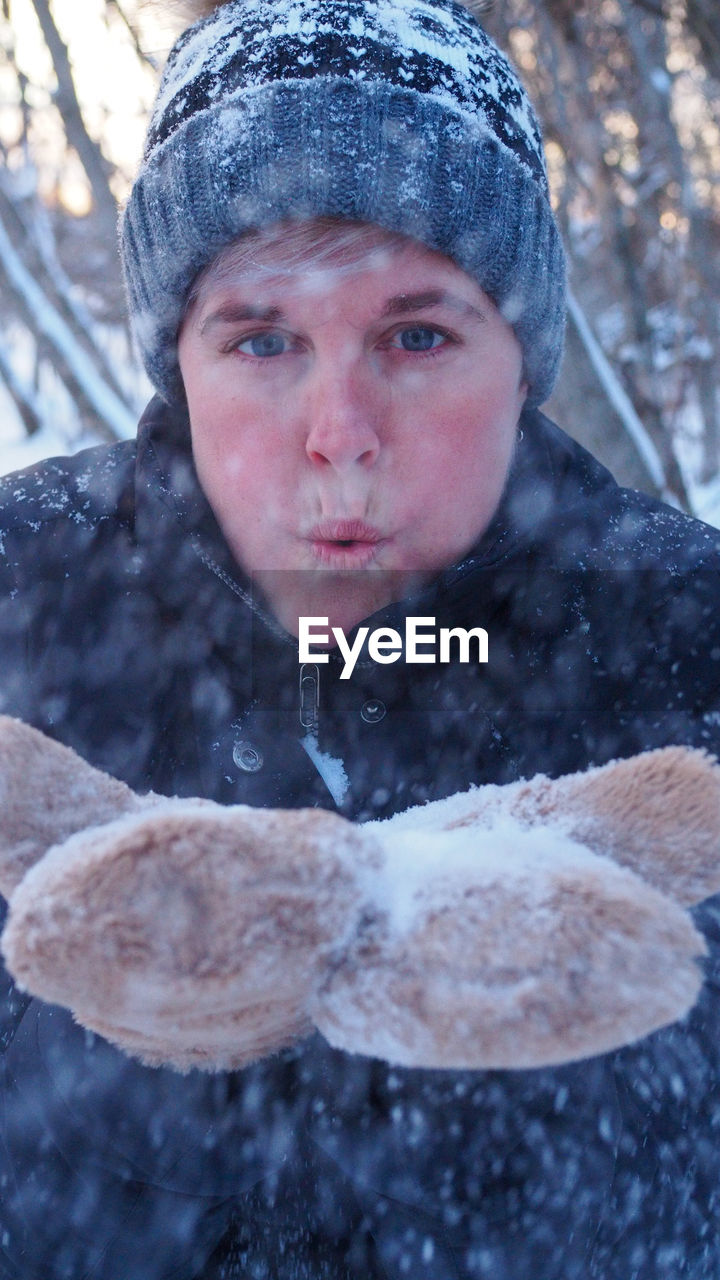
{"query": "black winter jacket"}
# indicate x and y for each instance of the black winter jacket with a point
(127, 631)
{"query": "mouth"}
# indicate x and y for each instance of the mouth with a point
(345, 544)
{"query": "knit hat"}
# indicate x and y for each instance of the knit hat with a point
(401, 113)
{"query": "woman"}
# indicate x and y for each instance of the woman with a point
(348, 288)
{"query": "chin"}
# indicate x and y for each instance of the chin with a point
(344, 596)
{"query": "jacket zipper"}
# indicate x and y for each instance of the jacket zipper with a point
(309, 691)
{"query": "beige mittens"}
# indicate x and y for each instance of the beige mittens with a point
(505, 927)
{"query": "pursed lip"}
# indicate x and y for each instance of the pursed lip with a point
(345, 544)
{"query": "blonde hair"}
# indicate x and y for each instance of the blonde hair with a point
(323, 244)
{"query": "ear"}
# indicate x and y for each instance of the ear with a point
(47, 792)
(657, 814)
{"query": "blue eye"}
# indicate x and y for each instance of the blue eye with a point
(264, 344)
(419, 338)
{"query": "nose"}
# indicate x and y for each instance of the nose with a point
(342, 416)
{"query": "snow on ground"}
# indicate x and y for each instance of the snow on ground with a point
(60, 433)
(19, 450)
(706, 501)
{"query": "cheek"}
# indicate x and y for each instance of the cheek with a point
(246, 473)
(468, 437)
(456, 471)
(227, 436)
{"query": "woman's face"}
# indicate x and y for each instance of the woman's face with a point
(352, 424)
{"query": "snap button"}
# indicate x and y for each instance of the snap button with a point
(247, 757)
(373, 711)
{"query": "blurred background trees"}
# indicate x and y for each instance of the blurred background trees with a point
(628, 92)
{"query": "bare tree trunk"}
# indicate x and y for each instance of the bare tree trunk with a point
(97, 402)
(703, 20)
(91, 157)
(25, 399)
(28, 225)
(697, 284)
(117, 8)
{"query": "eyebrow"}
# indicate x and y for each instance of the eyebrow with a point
(403, 302)
(236, 312)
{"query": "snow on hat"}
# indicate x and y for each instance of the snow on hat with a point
(401, 113)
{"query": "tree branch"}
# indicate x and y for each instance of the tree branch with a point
(620, 401)
(655, 7)
(27, 403)
(91, 157)
(142, 55)
(113, 416)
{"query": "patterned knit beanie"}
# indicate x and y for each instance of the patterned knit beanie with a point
(396, 112)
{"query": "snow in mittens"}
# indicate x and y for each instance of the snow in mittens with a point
(504, 946)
